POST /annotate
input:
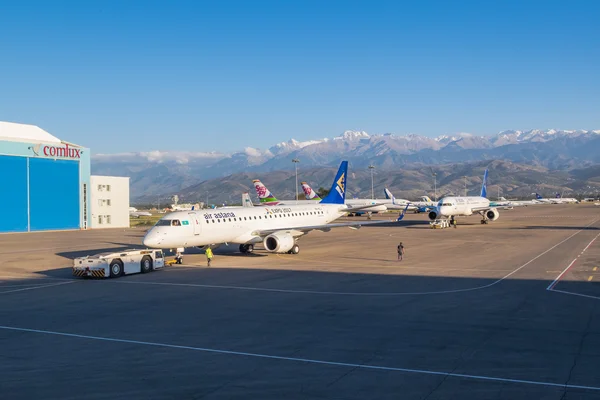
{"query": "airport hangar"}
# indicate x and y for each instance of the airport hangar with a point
(47, 185)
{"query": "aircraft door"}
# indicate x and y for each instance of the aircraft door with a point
(196, 223)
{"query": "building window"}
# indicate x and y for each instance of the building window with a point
(108, 219)
(108, 188)
(99, 219)
(108, 202)
(100, 202)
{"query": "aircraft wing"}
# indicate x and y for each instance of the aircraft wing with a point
(495, 206)
(365, 207)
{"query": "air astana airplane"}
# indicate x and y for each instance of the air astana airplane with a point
(277, 227)
(458, 206)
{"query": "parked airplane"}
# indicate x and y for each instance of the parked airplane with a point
(565, 200)
(458, 206)
(278, 227)
(133, 212)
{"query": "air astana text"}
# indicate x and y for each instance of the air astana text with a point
(220, 215)
(68, 152)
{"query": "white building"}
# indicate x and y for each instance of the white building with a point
(109, 202)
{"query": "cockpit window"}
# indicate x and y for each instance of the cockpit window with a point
(447, 204)
(168, 222)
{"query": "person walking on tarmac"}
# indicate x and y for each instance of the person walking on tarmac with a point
(209, 255)
(453, 221)
(400, 251)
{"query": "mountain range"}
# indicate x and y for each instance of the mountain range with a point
(155, 174)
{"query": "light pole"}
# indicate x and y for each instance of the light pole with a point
(435, 185)
(372, 167)
(465, 185)
(296, 161)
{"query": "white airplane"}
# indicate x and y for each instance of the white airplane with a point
(565, 200)
(277, 227)
(458, 206)
(133, 212)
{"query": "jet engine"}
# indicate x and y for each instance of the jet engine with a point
(492, 214)
(433, 215)
(279, 243)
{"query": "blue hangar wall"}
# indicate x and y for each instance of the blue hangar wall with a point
(45, 186)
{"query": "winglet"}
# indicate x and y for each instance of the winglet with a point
(403, 213)
(337, 193)
(484, 184)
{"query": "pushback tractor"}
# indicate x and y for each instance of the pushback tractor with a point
(115, 264)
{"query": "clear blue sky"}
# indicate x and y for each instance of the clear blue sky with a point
(222, 75)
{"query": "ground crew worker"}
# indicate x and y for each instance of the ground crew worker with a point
(400, 251)
(209, 255)
(454, 223)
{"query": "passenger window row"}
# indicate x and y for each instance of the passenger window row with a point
(288, 215)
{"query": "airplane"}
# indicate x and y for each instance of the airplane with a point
(133, 212)
(277, 227)
(565, 200)
(458, 206)
(543, 200)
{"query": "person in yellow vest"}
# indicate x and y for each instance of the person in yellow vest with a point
(209, 255)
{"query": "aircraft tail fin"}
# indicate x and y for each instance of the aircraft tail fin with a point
(403, 213)
(389, 195)
(337, 193)
(309, 192)
(484, 184)
(264, 194)
(537, 196)
(246, 200)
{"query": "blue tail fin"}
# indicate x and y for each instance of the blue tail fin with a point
(389, 195)
(403, 213)
(537, 196)
(484, 184)
(337, 193)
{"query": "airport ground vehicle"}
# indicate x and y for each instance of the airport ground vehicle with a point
(440, 224)
(115, 264)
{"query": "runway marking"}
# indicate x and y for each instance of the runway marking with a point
(575, 294)
(298, 291)
(555, 282)
(594, 269)
(590, 278)
(307, 360)
(36, 287)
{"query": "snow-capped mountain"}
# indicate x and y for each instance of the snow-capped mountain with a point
(557, 149)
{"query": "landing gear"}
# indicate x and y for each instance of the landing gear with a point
(178, 258)
(484, 221)
(294, 250)
(369, 215)
(246, 248)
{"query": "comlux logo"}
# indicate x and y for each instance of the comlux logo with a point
(54, 151)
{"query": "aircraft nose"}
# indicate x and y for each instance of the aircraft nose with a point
(151, 240)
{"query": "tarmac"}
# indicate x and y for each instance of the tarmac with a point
(507, 310)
